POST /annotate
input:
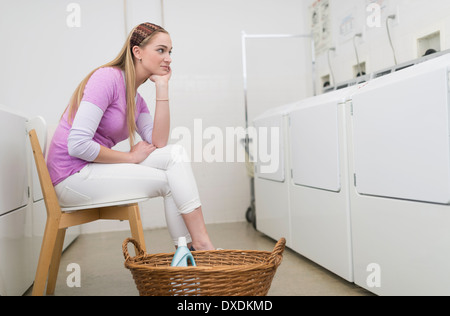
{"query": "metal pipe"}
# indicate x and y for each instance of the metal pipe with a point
(244, 73)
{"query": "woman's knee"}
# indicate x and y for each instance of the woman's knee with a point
(178, 153)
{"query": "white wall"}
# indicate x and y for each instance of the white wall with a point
(42, 60)
(417, 19)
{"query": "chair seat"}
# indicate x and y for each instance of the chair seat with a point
(93, 206)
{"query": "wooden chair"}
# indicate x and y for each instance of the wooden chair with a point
(59, 219)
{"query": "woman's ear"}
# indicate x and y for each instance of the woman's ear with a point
(136, 52)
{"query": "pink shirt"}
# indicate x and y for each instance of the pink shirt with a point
(106, 89)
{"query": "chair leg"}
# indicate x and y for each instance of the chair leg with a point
(56, 259)
(45, 257)
(137, 232)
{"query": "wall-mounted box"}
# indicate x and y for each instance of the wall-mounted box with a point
(429, 42)
(359, 70)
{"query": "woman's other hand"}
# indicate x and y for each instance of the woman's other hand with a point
(141, 151)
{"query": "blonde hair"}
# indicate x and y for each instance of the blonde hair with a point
(125, 62)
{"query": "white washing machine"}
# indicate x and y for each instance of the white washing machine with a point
(22, 208)
(319, 188)
(272, 175)
(399, 158)
(16, 272)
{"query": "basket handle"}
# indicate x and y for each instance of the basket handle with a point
(137, 247)
(277, 254)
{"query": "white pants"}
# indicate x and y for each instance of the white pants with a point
(166, 172)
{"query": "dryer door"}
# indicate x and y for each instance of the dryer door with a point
(401, 137)
(315, 146)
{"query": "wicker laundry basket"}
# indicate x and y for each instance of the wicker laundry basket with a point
(218, 273)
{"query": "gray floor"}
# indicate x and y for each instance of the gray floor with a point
(103, 273)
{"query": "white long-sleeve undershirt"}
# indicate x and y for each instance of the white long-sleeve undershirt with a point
(80, 142)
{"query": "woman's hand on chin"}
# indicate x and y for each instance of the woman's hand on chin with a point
(162, 79)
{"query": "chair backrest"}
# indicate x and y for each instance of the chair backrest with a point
(40, 126)
(50, 198)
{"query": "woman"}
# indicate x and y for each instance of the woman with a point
(106, 109)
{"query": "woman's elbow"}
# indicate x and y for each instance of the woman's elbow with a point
(72, 148)
(75, 152)
(160, 143)
(83, 151)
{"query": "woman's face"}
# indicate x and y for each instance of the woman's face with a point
(156, 55)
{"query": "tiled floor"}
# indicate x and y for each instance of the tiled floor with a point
(103, 273)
